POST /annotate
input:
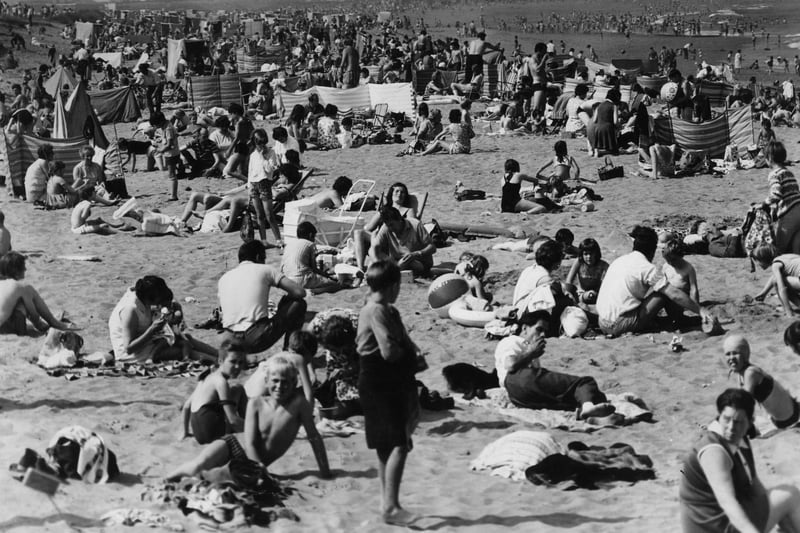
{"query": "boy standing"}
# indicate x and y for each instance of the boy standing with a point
(386, 384)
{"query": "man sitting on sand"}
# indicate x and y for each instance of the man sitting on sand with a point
(633, 291)
(20, 302)
(402, 241)
(782, 408)
(270, 427)
(244, 298)
(531, 386)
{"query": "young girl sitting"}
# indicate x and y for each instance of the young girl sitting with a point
(512, 201)
(60, 194)
(299, 262)
(785, 278)
(587, 272)
(562, 164)
(211, 409)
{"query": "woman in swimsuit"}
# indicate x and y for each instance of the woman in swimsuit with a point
(512, 201)
(776, 401)
(562, 164)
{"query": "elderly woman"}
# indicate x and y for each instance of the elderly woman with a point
(38, 173)
(719, 489)
(783, 200)
(140, 333)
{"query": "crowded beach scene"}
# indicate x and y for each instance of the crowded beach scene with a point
(367, 266)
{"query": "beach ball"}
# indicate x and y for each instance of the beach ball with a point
(445, 290)
(669, 91)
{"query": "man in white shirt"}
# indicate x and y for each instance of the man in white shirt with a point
(243, 294)
(634, 291)
(283, 143)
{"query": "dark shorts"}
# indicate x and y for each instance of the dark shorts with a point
(538, 87)
(261, 190)
(390, 413)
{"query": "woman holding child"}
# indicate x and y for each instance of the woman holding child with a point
(783, 200)
(719, 488)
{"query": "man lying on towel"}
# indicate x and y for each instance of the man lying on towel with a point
(531, 386)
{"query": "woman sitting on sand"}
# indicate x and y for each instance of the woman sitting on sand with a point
(461, 133)
(38, 173)
(783, 200)
(20, 302)
(139, 327)
(512, 201)
(223, 138)
(719, 488)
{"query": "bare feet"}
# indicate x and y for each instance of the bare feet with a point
(399, 517)
(614, 419)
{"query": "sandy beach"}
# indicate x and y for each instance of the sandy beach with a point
(140, 417)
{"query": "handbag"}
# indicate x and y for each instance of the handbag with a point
(248, 231)
(609, 171)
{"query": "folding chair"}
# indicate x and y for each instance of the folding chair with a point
(379, 121)
(418, 202)
(292, 192)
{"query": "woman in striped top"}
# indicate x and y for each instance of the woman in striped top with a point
(783, 200)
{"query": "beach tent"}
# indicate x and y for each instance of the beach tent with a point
(116, 105)
(80, 117)
(56, 82)
(112, 58)
(735, 126)
(22, 152)
(175, 47)
(398, 96)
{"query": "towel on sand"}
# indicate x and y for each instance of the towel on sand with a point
(626, 404)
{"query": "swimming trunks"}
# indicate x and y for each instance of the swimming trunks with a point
(208, 422)
(235, 450)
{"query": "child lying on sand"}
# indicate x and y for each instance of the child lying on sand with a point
(270, 427)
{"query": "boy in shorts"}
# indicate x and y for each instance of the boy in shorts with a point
(270, 427)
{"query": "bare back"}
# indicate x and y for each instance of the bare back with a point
(11, 291)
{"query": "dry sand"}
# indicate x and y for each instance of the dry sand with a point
(140, 417)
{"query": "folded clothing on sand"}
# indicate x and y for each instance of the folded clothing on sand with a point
(591, 467)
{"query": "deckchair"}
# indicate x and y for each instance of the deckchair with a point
(292, 192)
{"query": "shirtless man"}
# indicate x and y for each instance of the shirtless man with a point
(270, 427)
(20, 302)
(776, 400)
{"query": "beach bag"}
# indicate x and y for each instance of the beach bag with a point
(574, 321)
(757, 229)
(609, 171)
(248, 230)
(158, 223)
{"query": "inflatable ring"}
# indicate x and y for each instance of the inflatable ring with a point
(461, 314)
